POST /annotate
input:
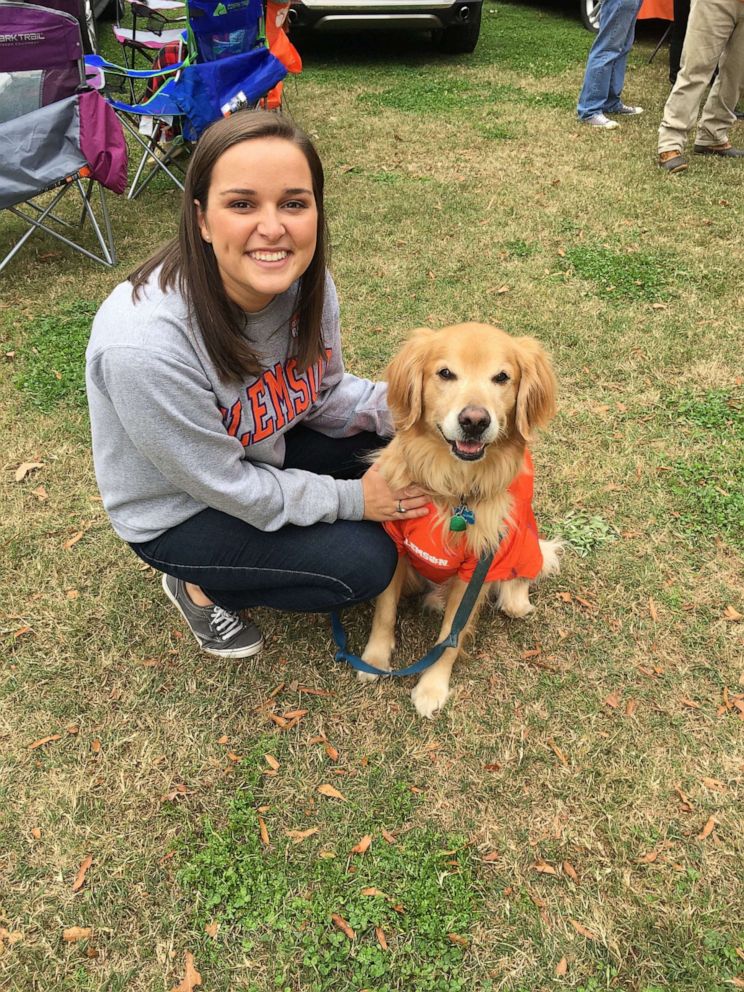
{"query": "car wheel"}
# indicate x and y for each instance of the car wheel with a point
(590, 13)
(460, 39)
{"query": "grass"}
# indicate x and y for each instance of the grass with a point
(576, 769)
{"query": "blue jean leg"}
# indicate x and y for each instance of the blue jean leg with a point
(605, 68)
(297, 569)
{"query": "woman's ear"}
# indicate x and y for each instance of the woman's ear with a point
(201, 220)
(537, 387)
(405, 379)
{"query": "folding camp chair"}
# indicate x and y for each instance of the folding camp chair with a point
(226, 66)
(54, 133)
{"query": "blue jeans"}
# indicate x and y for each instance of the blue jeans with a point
(311, 569)
(608, 57)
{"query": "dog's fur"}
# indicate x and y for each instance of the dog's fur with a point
(465, 401)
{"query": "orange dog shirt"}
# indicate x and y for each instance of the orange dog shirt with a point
(518, 556)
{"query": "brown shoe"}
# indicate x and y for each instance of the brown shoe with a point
(723, 151)
(672, 161)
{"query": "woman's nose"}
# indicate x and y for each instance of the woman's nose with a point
(270, 224)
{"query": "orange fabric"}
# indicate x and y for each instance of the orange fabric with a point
(663, 9)
(517, 557)
(279, 44)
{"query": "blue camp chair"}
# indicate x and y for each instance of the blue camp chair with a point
(225, 66)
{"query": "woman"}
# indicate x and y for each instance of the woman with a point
(228, 441)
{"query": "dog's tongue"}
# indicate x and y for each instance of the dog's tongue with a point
(469, 447)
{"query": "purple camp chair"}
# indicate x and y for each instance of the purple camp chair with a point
(55, 134)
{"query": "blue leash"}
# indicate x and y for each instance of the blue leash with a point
(461, 618)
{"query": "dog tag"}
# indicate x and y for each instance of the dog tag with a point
(457, 522)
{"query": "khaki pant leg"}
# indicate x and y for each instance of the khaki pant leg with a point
(719, 110)
(709, 28)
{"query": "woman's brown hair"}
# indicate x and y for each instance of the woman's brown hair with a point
(188, 262)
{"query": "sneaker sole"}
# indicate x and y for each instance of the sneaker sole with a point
(228, 652)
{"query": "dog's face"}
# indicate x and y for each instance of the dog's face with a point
(471, 384)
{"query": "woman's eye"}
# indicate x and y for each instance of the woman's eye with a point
(240, 204)
(295, 204)
(446, 374)
(500, 378)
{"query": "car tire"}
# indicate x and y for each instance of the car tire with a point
(461, 39)
(589, 10)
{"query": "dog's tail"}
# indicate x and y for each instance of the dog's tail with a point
(551, 553)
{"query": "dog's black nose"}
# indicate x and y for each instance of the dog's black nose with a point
(473, 420)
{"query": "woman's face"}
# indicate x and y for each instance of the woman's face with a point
(261, 219)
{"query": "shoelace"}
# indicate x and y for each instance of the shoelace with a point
(225, 623)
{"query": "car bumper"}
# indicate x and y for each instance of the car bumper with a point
(356, 15)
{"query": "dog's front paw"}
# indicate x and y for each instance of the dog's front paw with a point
(366, 677)
(429, 696)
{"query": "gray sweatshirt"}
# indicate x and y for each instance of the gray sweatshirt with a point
(170, 438)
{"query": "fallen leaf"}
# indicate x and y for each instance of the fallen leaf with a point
(713, 783)
(80, 877)
(491, 857)
(372, 891)
(331, 751)
(36, 833)
(708, 828)
(72, 934)
(44, 740)
(263, 831)
(330, 792)
(22, 631)
(455, 938)
(380, 934)
(648, 859)
(223, 740)
(211, 929)
(561, 968)
(24, 468)
(580, 928)
(733, 615)
(571, 871)
(631, 706)
(652, 610)
(738, 983)
(278, 720)
(232, 756)
(493, 766)
(95, 746)
(313, 692)
(191, 979)
(343, 926)
(557, 751)
(40, 493)
(294, 714)
(363, 845)
(70, 542)
(613, 700)
(299, 835)
(390, 838)
(690, 703)
(544, 868)
(271, 762)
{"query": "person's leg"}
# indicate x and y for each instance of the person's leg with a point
(342, 458)
(608, 45)
(719, 112)
(298, 569)
(617, 74)
(708, 30)
(677, 40)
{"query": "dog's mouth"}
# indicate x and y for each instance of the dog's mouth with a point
(467, 451)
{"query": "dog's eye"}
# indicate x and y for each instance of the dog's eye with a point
(500, 378)
(446, 374)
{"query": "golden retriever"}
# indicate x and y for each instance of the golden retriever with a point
(465, 401)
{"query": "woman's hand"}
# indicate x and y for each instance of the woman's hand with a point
(383, 503)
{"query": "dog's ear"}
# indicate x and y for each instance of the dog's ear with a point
(537, 387)
(405, 379)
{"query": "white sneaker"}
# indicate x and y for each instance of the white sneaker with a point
(599, 120)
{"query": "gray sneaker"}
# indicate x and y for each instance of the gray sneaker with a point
(599, 120)
(218, 631)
